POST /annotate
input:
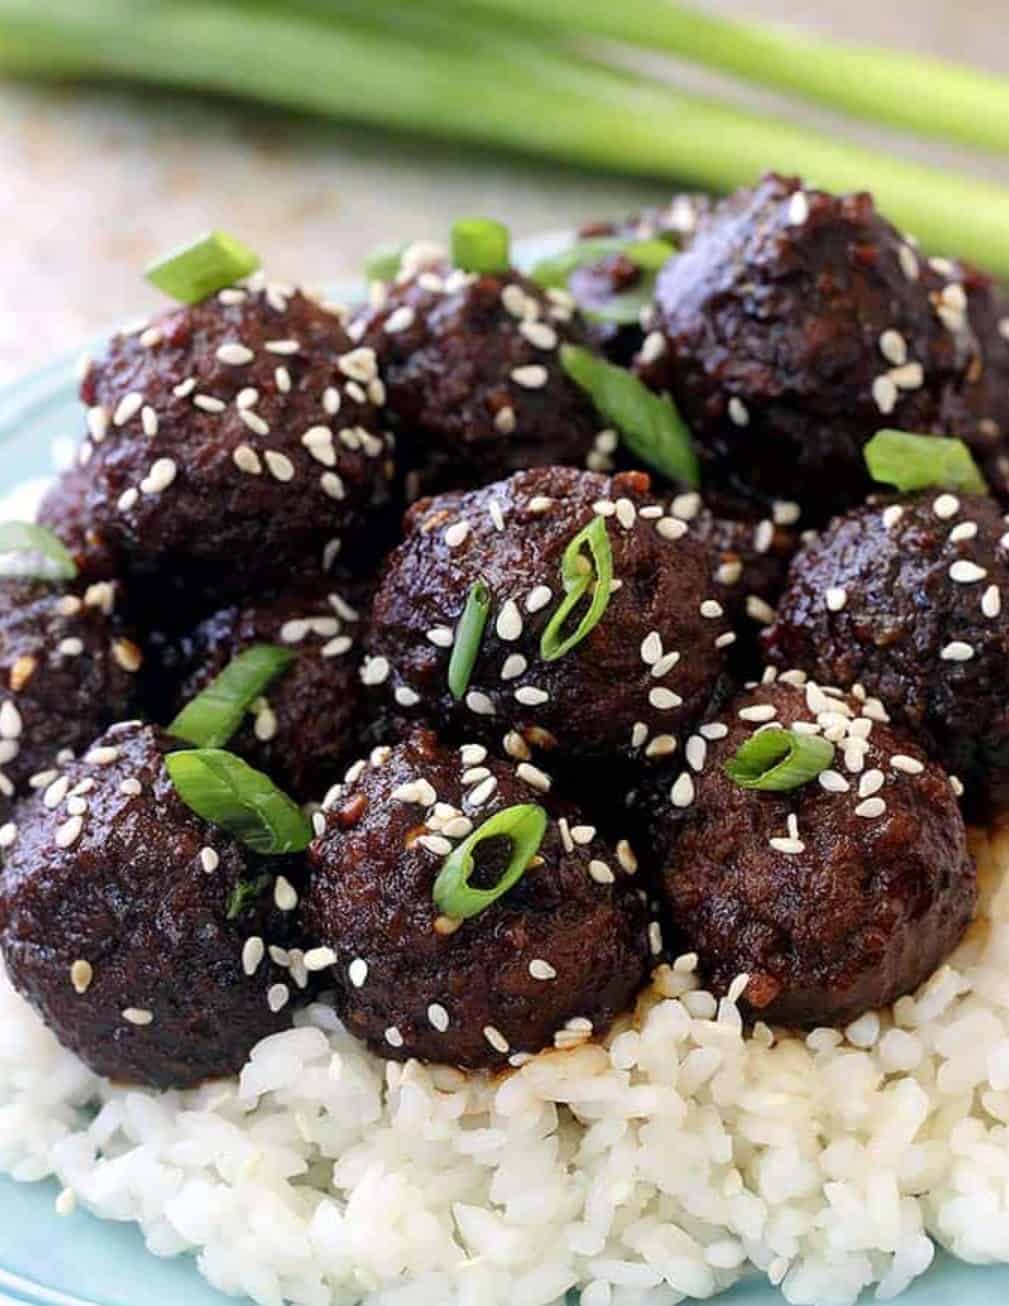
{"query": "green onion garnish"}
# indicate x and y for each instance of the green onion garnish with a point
(917, 462)
(468, 635)
(649, 424)
(215, 714)
(578, 577)
(223, 789)
(245, 893)
(383, 263)
(555, 271)
(33, 552)
(209, 264)
(524, 825)
(481, 245)
(777, 760)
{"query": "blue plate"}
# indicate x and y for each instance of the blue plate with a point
(78, 1260)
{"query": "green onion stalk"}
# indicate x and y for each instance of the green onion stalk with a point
(482, 80)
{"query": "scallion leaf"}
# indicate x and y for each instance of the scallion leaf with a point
(383, 263)
(555, 271)
(625, 309)
(649, 424)
(578, 578)
(222, 789)
(777, 760)
(481, 245)
(468, 636)
(524, 825)
(215, 714)
(209, 264)
(918, 462)
(33, 552)
(245, 893)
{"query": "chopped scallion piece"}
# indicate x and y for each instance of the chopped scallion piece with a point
(649, 424)
(579, 577)
(481, 245)
(778, 760)
(33, 552)
(555, 271)
(524, 825)
(383, 263)
(626, 308)
(214, 715)
(918, 462)
(245, 893)
(221, 788)
(211, 263)
(468, 635)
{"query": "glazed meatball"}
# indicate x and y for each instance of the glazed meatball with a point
(137, 930)
(554, 959)
(68, 668)
(475, 385)
(303, 728)
(597, 285)
(835, 897)
(795, 326)
(228, 441)
(905, 598)
(647, 669)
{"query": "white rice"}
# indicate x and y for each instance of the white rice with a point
(665, 1165)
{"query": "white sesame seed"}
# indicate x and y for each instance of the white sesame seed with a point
(893, 347)
(533, 376)
(357, 972)
(870, 783)
(253, 952)
(758, 712)
(946, 506)
(103, 756)
(660, 746)
(209, 403)
(434, 843)
(539, 334)
(583, 834)
(836, 598)
(127, 408)
(478, 796)
(872, 807)
(280, 466)
(653, 347)
(671, 528)
(957, 651)
(965, 572)
(472, 754)
(541, 970)
(711, 609)
(682, 792)
(651, 648)
(332, 485)
(696, 752)
(540, 503)
(438, 1017)
(440, 636)
(81, 975)
(787, 845)
(991, 601)
(885, 394)
(277, 997)
(514, 665)
(663, 699)
(317, 959)
(798, 209)
(281, 346)
(8, 835)
(655, 938)
(160, 477)
(209, 860)
(909, 765)
(400, 319)
(909, 377)
(479, 703)
(284, 894)
(739, 414)
(833, 782)
(509, 622)
(137, 1016)
(531, 696)
(456, 533)
(538, 598)
(234, 354)
(496, 1039)
(405, 696)
(908, 262)
(149, 420)
(72, 647)
(253, 421)
(505, 420)
(532, 775)
(965, 530)
(247, 460)
(69, 832)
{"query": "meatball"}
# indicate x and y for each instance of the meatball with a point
(794, 327)
(228, 441)
(303, 728)
(904, 597)
(139, 931)
(832, 898)
(67, 669)
(555, 958)
(596, 285)
(475, 385)
(644, 673)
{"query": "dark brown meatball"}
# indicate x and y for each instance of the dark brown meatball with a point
(795, 326)
(835, 897)
(136, 929)
(67, 669)
(229, 440)
(908, 598)
(474, 380)
(647, 670)
(303, 728)
(555, 958)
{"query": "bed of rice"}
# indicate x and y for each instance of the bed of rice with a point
(664, 1165)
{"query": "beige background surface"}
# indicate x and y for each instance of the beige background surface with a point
(93, 183)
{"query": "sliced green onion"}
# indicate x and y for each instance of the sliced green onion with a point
(555, 271)
(649, 424)
(917, 462)
(211, 263)
(33, 552)
(223, 789)
(626, 308)
(245, 893)
(524, 825)
(578, 576)
(383, 263)
(215, 714)
(468, 635)
(778, 760)
(481, 245)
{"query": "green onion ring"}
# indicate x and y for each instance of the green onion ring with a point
(209, 264)
(481, 245)
(918, 462)
(222, 789)
(215, 714)
(777, 760)
(383, 263)
(33, 552)
(468, 636)
(555, 270)
(577, 582)
(525, 825)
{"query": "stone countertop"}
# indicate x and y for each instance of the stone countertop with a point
(96, 182)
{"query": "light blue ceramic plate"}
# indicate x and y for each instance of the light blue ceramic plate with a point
(81, 1261)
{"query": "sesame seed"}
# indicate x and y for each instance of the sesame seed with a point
(663, 699)
(393, 1037)
(956, 785)
(505, 420)
(798, 209)
(965, 572)
(56, 792)
(277, 997)
(284, 894)
(885, 394)
(655, 938)
(532, 775)
(653, 347)
(957, 651)
(893, 347)
(946, 506)
(583, 834)
(456, 533)
(540, 503)
(11, 724)
(833, 782)
(149, 420)
(651, 648)
(909, 765)
(127, 408)
(253, 421)
(711, 609)
(478, 796)
(660, 746)
(600, 872)
(908, 262)
(870, 783)
(209, 860)
(682, 792)
(538, 598)
(909, 377)
(541, 970)
(280, 466)
(758, 712)
(533, 376)
(509, 622)
(965, 530)
(69, 832)
(357, 972)
(496, 1039)
(281, 346)
(539, 334)
(375, 671)
(872, 807)
(247, 460)
(479, 703)
(400, 319)
(696, 752)
(434, 843)
(8, 835)
(787, 845)
(160, 477)
(739, 414)
(234, 354)
(253, 952)
(137, 1016)
(991, 601)
(209, 403)
(440, 636)
(836, 598)
(531, 696)
(514, 665)
(438, 1017)
(81, 975)
(670, 528)
(103, 756)
(71, 647)
(332, 485)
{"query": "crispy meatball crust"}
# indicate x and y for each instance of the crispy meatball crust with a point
(796, 325)
(237, 436)
(474, 380)
(303, 728)
(569, 943)
(115, 931)
(908, 599)
(833, 900)
(68, 668)
(648, 668)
